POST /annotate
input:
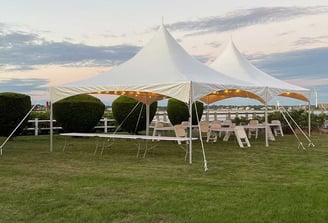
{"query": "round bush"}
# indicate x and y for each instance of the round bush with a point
(13, 108)
(121, 108)
(79, 113)
(177, 111)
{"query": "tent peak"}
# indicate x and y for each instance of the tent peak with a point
(233, 63)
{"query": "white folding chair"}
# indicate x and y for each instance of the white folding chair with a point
(213, 132)
(277, 129)
(204, 128)
(217, 124)
(241, 136)
(226, 123)
(157, 131)
(325, 124)
(185, 124)
(180, 131)
(253, 131)
(157, 126)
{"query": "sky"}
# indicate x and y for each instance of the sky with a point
(45, 43)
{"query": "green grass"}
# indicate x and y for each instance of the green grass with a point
(280, 183)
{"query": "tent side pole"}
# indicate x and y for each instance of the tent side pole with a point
(309, 120)
(266, 119)
(266, 125)
(190, 122)
(51, 128)
(190, 132)
(147, 118)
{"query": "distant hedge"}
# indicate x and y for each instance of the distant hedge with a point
(13, 108)
(79, 113)
(177, 111)
(301, 117)
(122, 106)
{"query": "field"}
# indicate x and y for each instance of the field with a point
(280, 183)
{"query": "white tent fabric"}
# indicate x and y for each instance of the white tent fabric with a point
(161, 69)
(232, 63)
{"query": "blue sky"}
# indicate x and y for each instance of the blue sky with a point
(44, 43)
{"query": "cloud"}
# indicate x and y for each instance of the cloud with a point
(247, 17)
(311, 40)
(322, 93)
(23, 50)
(23, 85)
(202, 58)
(215, 44)
(306, 68)
(300, 64)
(313, 82)
(285, 33)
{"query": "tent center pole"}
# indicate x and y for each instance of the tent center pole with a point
(51, 128)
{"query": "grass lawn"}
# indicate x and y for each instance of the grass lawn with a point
(281, 183)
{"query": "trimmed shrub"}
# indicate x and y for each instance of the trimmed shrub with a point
(318, 120)
(79, 113)
(177, 111)
(13, 108)
(275, 116)
(121, 108)
(241, 120)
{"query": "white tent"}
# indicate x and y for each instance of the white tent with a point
(162, 69)
(232, 63)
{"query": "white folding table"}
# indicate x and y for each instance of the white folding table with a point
(133, 137)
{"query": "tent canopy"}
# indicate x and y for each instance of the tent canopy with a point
(162, 69)
(232, 63)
